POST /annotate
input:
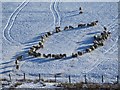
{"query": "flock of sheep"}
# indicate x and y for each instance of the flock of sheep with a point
(98, 41)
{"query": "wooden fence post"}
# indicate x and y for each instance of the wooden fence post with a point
(24, 76)
(85, 79)
(39, 77)
(10, 77)
(117, 79)
(69, 79)
(55, 77)
(102, 79)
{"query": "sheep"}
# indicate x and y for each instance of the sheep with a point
(43, 40)
(80, 8)
(49, 33)
(61, 55)
(89, 24)
(46, 35)
(101, 44)
(98, 38)
(104, 36)
(92, 23)
(38, 54)
(49, 55)
(81, 25)
(40, 46)
(19, 57)
(64, 55)
(16, 62)
(30, 52)
(95, 36)
(79, 53)
(71, 27)
(106, 32)
(31, 48)
(57, 29)
(34, 54)
(57, 57)
(42, 37)
(109, 33)
(96, 21)
(95, 42)
(40, 43)
(17, 67)
(105, 28)
(66, 28)
(80, 12)
(74, 54)
(95, 45)
(53, 55)
(44, 55)
(36, 47)
(88, 50)
(92, 47)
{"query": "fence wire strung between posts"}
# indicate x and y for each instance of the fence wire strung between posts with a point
(66, 78)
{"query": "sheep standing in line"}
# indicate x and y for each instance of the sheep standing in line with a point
(17, 64)
(81, 25)
(49, 33)
(66, 28)
(17, 67)
(74, 54)
(88, 50)
(80, 9)
(79, 53)
(92, 47)
(71, 27)
(57, 29)
(95, 45)
(49, 55)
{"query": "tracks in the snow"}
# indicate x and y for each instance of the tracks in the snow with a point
(55, 12)
(7, 29)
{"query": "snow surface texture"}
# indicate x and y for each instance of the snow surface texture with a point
(24, 22)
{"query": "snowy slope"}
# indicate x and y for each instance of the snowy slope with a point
(23, 23)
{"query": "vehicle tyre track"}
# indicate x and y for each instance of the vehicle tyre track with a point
(9, 25)
(55, 13)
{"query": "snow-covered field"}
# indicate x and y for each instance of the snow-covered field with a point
(24, 22)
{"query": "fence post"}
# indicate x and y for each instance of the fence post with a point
(85, 79)
(10, 77)
(117, 79)
(69, 79)
(24, 76)
(55, 77)
(102, 79)
(39, 77)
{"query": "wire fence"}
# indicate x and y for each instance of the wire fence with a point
(60, 78)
